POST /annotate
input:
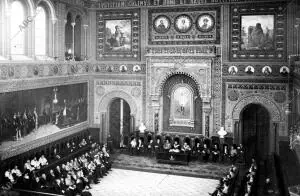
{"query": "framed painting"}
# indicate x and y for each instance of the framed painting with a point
(260, 35)
(182, 106)
(118, 35)
(257, 32)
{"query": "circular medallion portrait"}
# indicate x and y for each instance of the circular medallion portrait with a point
(183, 23)
(161, 24)
(205, 22)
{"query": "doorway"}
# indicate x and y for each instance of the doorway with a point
(255, 131)
(119, 122)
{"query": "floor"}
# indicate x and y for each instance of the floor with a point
(130, 183)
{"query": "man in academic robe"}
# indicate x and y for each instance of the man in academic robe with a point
(215, 153)
(158, 146)
(205, 153)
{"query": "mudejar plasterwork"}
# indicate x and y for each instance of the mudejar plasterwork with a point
(271, 96)
(165, 63)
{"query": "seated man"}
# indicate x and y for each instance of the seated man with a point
(167, 145)
(34, 163)
(186, 148)
(133, 146)
(16, 171)
(158, 145)
(205, 153)
(233, 154)
(150, 147)
(215, 153)
(197, 149)
(140, 146)
(82, 143)
(176, 147)
(43, 161)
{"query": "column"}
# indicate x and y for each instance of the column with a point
(103, 135)
(53, 37)
(237, 138)
(73, 41)
(206, 119)
(132, 123)
(7, 33)
(85, 26)
(121, 121)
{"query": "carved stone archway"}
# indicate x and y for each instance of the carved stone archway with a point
(160, 83)
(103, 108)
(273, 109)
(276, 118)
(106, 99)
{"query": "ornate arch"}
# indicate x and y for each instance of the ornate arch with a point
(50, 7)
(160, 83)
(106, 100)
(74, 13)
(274, 110)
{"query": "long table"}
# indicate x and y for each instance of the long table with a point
(172, 158)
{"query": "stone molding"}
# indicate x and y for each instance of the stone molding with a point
(274, 110)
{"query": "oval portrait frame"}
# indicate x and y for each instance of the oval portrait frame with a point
(181, 29)
(159, 29)
(201, 27)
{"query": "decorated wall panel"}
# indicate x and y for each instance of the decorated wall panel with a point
(106, 90)
(258, 32)
(118, 35)
(273, 96)
(181, 26)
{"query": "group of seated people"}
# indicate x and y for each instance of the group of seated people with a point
(249, 180)
(226, 183)
(71, 177)
(199, 150)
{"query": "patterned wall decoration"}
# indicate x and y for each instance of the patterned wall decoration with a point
(181, 26)
(118, 35)
(244, 92)
(259, 70)
(258, 32)
(217, 94)
(108, 89)
(53, 69)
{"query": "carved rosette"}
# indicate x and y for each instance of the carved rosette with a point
(100, 90)
(136, 92)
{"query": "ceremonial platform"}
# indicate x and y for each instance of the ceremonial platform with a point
(150, 164)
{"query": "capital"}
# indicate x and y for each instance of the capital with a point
(73, 24)
(85, 26)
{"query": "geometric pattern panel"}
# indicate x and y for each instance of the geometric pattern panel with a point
(258, 32)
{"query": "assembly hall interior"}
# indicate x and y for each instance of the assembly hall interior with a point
(150, 97)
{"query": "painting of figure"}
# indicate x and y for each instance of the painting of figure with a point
(117, 35)
(182, 103)
(162, 24)
(257, 32)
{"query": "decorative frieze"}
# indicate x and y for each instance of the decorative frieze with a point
(54, 69)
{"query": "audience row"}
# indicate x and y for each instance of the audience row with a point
(227, 183)
(72, 177)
